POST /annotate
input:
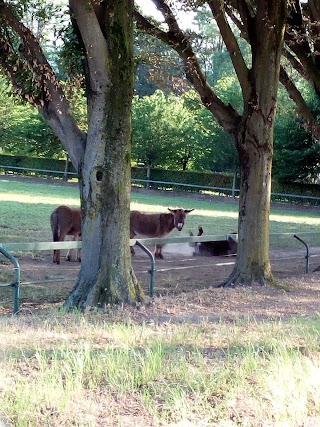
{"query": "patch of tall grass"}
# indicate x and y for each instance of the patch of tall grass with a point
(60, 370)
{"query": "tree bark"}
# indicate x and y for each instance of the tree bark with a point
(106, 275)
(254, 143)
(102, 156)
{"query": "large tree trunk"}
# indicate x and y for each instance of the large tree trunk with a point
(106, 274)
(102, 156)
(254, 143)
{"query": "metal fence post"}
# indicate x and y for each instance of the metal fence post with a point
(307, 251)
(16, 283)
(152, 267)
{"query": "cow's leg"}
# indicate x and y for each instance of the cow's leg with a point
(75, 237)
(54, 259)
(57, 251)
(158, 252)
(132, 235)
(69, 254)
(56, 254)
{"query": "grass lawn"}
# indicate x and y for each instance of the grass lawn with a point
(25, 210)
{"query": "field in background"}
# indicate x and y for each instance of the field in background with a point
(25, 208)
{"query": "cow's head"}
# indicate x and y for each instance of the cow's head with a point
(179, 217)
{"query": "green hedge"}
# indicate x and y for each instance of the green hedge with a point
(41, 163)
(225, 181)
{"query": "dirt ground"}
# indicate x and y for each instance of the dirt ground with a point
(185, 286)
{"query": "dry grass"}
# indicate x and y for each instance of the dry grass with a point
(106, 369)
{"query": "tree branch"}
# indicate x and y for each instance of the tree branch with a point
(168, 15)
(218, 11)
(50, 99)
(314, 11)
(225, 114)
(94, 41)
(297, 40)
(295, 64)
(309, 120)
(146, 26)
(32, 52)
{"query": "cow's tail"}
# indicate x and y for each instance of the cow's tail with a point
(54, 226)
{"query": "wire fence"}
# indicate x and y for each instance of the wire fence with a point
(170, 185)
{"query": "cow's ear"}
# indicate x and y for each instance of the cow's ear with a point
(186, 211)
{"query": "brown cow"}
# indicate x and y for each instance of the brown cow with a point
(216, 247)
(156, 225)
(65, 221)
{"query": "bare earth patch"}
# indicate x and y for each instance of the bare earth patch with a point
(197, 297)
(185, 287)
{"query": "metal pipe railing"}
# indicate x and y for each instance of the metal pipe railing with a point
(16, 283)
(152, 266)
(307, 251)
(40, 246)
(232, 190)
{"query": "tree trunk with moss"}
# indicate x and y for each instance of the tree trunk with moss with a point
(106, 275)
(254, 143)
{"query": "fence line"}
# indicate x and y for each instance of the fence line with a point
(196, 186)
(37, 170)
(71, 244)
(232, 190)
(7, 248)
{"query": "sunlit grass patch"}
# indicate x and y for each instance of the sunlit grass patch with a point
(25, 210)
